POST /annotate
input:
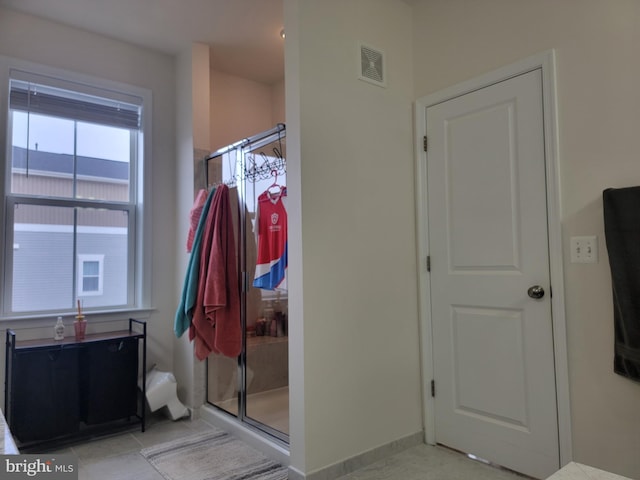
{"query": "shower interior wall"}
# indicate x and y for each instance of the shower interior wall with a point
(241, 108)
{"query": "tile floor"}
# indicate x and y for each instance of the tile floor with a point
(270, 408)
(118, 457)
(425, 462)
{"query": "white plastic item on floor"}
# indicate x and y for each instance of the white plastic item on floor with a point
(162, 392)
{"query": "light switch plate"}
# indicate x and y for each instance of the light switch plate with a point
(584, 249)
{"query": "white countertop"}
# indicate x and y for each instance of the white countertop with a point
(578, 471)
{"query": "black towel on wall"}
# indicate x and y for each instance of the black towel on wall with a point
(622, 232)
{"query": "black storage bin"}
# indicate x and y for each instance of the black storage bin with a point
(58, 391)
(109, 383)
(51, 374)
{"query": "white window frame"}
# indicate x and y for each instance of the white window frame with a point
(139, 271)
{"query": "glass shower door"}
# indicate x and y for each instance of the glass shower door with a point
(255, 387)
(267, 346)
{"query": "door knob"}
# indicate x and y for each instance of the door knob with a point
(536, 291)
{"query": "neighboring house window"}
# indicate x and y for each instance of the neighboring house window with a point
(73, 197)
(90, 275)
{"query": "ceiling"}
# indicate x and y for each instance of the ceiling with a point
(243, 35)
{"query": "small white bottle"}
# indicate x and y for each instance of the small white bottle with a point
(58, 330)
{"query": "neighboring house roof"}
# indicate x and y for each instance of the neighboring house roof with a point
(59, 163)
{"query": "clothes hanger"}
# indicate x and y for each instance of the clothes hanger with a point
(274, 185)
(274, 190)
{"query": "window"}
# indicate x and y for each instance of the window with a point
(73, 210)
(90, 276)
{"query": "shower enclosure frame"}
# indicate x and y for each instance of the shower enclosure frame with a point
(239, 178)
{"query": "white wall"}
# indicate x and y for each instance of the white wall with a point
(598, 74)
(355, 378)
(297, 362)
(29, 38)
(193, 143)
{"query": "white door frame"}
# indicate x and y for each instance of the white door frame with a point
(546, 62)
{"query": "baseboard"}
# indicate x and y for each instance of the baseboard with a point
(360, 461)
(295, 474)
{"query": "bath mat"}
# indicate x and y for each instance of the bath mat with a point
(214, 455)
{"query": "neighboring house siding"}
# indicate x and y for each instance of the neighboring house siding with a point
(52, 174)
(43, 273)
(63, 187)
(60, 164)
(46, 276)
(41, 276)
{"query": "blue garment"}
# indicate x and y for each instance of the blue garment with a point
(184, 313)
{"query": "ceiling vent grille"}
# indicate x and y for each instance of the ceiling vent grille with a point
(371, 67)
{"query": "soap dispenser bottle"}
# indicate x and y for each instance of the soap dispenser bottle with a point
(58, 330)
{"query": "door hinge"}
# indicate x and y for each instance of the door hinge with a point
(428, 263)
(433, 388)
(425, 143)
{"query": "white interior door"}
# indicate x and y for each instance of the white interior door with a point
(493, 358)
